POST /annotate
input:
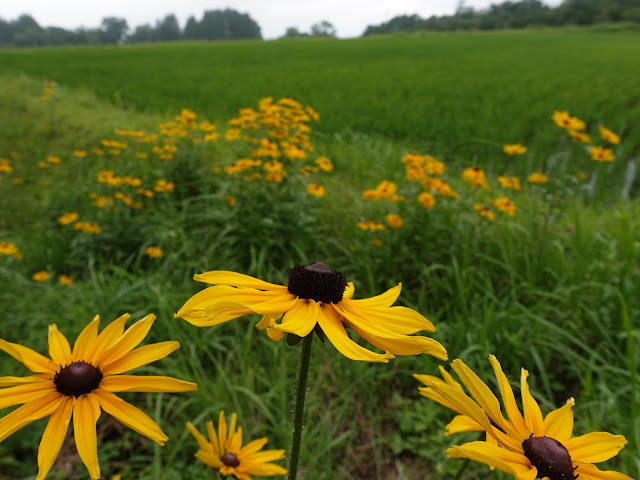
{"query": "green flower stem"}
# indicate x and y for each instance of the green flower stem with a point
(463, 467)
(298, 411)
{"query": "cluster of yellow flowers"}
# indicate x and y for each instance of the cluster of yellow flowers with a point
(72, 218)
(48, 91)
(130, 198)
(43, 276)
(576, 130)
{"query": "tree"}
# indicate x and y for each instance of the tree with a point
(227, 24)
(142, 34)
(168, 29)
(293, 32)
(323, 29)
(113, 30)
(192, 28)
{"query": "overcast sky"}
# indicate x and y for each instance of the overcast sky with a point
(350, 17)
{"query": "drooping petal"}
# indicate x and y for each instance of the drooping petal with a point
(532, 413)
(107, 338)
(399, 320)
(485, 398)
(32, 360)
(85, 416)
(558, 424)
(128, 341)
(266, 469)
(462, 423)
(130, 416)
(404, 344)
(265, 456)
(222, 277)
(34, 410)
(85, 340)
(509, 400)
(335, 332)
(53, 436)
(435, 396)
(139, 357)
(591, 472)
(301, 319)
(139, 383)
(595, 447)
(492, 455)
(59, 348)
(384, 300)
(25, 393)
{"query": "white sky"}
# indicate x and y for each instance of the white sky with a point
(350, 17)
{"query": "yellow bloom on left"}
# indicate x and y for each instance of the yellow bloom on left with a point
(224, 452)
(79, 383)
(315, 297)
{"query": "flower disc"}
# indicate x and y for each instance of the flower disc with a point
(78, 378)
(316, 282)
(550, 457)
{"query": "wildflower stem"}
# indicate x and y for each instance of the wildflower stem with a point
(462, 468)
(298, 411)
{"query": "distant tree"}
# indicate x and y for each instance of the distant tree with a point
(6, 32)
(323, 29)
(192, 28)
(168, 29)
(227, 24)
(113, 30)
(87, 36)
(293, 32)
(142, 34)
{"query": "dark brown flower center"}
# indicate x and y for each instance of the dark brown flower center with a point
(230, 460)
(550, 457)
(77, 378)
(316, 282)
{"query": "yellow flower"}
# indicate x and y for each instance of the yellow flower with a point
(526, 445)
(608, 136)
(41, 276)
(88, 227)
(314, 297)
(475, 177)
(230, 199)
(394, 221)
(163, 186)
(324, 163)
(154, 252)
(579, 136)
(427, 200)
(10, 248)
(564, 120)
(505, 205)
(484, 211)
(68, 218)
(384, 190)
(601, 154)
(316, 190)
(376, 242)
(514, 149)
(537, 177)
(80, 153)
(581, 176)
(510, 182)
(80, 383)
(370, 226)
(65, 279)
(224, 452)
(53, 159)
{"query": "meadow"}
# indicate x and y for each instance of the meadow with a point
(546, 279)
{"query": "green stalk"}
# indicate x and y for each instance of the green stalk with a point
(463, 467)
(298, 409)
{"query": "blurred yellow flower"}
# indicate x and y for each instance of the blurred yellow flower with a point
(514, 149)
(324, 163)
(475, 177)
(153, 252)
(315, 190)
(384, 190)
(564, 120)
(537, 177)
(53, 159)
(427, 200)
(370, 226)
(579, 136)
(394, 220)
(581, 176)
(65, 279)
(608, 136)
(68, 218)
(376, 242)
(230, 199)
(510, 182)
(505, 205)
(601, 154)
(88, 227)
(80, 153)
(10, 249)
(41, 276)
(162, 186)
(484, 211)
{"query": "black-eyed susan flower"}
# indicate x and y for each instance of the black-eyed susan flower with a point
(475, 177)
(537, 177)
(566, 121)
(601, 154)
(525, 444)
(509, 182)
(315, 190)
(79, 383)
(315, 297)
(41, 276)
(394, 220)
(153, 252)
(10, 249)
(427, 200)
(609, 136)
(65, 279)
(505, 205)
(484, 211)
(514, 149)
(224, 452)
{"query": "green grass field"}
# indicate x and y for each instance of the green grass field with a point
(552, 289)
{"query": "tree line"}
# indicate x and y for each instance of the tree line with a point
(224, 24)
(516, 14)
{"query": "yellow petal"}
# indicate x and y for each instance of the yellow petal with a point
(235, 441)
(383, 300)
(485, 398)
(209, 459)
(595, 447)
(266, 470)
(559, 423)
(462, 423)
(492, 455)
(335, 332)
(139, 383)
(301, 319)
(25, 393)
(221, 277)
(85, 416)
(128, 341)
(53, 436)
(130, 416)
(139, 357)
(399, 320)
(265, 456)
(252, 447)
(202, 442)
(532, 413)
(509, 400)
(85, 340)
(349, 291)
(431, 394)
(59, 349)
(404, 344)
(14, 381)
(32, 360)
(591, 472)
(107, 338)
(34, 410)
(213, 439)
(222, 433)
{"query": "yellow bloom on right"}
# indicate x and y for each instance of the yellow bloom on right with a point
(526, 445)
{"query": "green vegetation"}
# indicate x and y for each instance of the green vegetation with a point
(552, 289)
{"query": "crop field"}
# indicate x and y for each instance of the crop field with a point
(493, 175)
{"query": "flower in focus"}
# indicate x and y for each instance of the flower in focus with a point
(601, 154)
(67, 218)
(224, 451)
(40, 276)
(153, 252)
(510, 182)
(484, 211)
(514, 149)
(608, 136)
(80, 383)
(314, 297)
(394, 220)
(65, 279)
(525, 444)
(537, 177)
(505, 205)
(315, 190)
